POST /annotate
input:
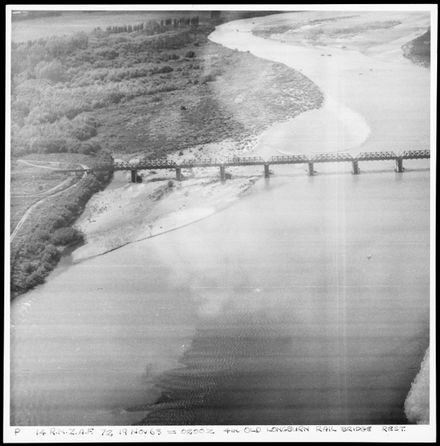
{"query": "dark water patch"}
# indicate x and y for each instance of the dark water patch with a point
(256, 376)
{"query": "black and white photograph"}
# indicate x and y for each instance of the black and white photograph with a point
(220, 223)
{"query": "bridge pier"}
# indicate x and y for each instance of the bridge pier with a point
(311, 170)
(134, 176)
(399, 165)
(222, 174)
(178, 173)
(266, 171)
(356, 170)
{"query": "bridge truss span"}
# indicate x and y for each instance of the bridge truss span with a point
(290, 159)
(416, 154)
(331, 157)
(376, 156)
(244, 161)
(311, 160)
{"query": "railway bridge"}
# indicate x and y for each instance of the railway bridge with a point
(309, 160)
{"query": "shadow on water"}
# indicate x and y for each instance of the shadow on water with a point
(220, 383)
(249, 375)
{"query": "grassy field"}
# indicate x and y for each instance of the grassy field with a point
(27, 180)
(30, 184)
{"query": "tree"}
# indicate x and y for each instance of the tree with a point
(66, 236)
(52, 71)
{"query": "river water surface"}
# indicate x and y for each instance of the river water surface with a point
(307, 302)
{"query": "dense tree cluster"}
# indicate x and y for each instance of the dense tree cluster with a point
(153, 26)
(58, 81)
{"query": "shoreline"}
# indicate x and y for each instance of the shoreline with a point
(51, 230)
(417, 402)
(196, 197)
(167, 204)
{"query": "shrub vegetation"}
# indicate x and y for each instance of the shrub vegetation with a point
(38, 247)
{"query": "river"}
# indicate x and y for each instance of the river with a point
(307, 302)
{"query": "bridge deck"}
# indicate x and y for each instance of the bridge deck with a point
(330, 157)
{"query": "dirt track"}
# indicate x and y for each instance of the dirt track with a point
(48, 194)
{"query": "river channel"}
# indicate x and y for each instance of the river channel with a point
(306, 302)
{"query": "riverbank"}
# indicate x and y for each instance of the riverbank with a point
(131, 212)
(127, 212)
(47, 232)
(417, 401)
(222, 116)
(156, 89)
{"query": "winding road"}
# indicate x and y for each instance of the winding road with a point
(48, 194)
